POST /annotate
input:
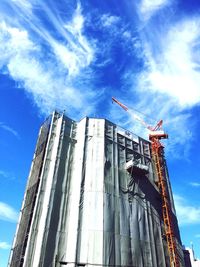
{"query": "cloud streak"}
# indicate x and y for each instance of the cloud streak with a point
(174, 69)
(4, 245)
(195, 184)
(186, 213)
(108, 20)
(165, 84)
(167, 87)
(148, 8)
(7, 175)
(7, 213)
(64, 65)
(57, 77)
(9, 129)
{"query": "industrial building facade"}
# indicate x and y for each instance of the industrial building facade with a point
(91, 200)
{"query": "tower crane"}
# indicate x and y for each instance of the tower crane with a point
(155, 135)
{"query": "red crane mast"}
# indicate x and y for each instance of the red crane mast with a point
(155, 135)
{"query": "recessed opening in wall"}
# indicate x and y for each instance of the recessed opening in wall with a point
(135, 146)
(121, 139)
(63, 262)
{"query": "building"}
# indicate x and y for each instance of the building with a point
(194, 261)
(187, 258)
(86, 204)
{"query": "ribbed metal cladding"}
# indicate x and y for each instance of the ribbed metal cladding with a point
(89, 209)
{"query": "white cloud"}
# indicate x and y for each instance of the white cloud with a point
(197, 235)
(186, 213)
(174, 68)
(195, 184)
(180, 135)
(108, 20)
(4, 245)
(58, 79)
(61, 76)
(148, 8)
(80, 53)
(169, 84)
(7, 213)
(7, 175)
(77, 23)
(24, 3)
(9, 129)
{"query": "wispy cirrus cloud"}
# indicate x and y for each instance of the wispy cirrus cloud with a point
(165, 83)
(6, 175)
(62, 66)
(7, 213)
(186, 213)
(168, 85)
(195, 184)
(78, 53)
(58, 61)
(148, 8)
(114, 33)
(9, 129)
(53, 76)
(174, 68)
(109, 20)
(4, 245)
(26, 4)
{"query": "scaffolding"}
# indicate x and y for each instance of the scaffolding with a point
(21, 238)
(97, 201)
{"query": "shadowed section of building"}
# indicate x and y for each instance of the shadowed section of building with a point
(190, 258)
(187, 258)
(92, 198)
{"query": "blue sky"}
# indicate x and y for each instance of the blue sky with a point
(76, 55)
